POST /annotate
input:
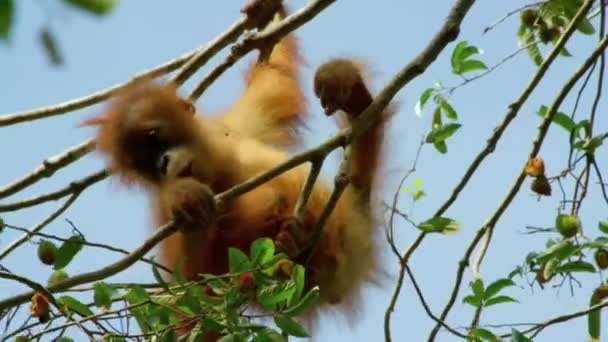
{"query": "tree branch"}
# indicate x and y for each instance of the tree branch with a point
(48, 167)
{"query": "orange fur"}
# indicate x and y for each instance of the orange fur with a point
(227, 149)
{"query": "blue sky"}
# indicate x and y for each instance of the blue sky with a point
(101, 52)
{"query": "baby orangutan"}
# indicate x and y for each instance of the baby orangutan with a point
(154, 138)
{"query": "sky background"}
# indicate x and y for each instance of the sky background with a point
(101, 52)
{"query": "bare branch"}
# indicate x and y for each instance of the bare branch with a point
(48, 167)
(257, 40)
(39, 227)
(72, 188)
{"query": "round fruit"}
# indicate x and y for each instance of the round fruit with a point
(528, 16)
(56, 277)
(246, 281)
(601, 258)
(47, 251)
(567, 225)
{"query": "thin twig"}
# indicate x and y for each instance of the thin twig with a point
(48, 167)
(25, 237)
(488, 227)
(104, 272)
(73, 187)
(260, 39)
(202, 56)
(90, 244)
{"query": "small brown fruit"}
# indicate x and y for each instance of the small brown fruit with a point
(601, 258)
(528, 16)
(541, 186)
(40, 307)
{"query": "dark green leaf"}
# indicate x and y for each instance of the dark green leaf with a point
(262, 251)
(499, 300)
(516, 336)
(6, 17)
(560, 251)
(73, 305)
(576, 266)
(103, 295)
(238, 260)
(439, 225)
(603, 226)
(98, 7)
(517, 271)
(49, 44)
(436, 120)
(471, 65)
(273, 295)
(68, 251)
(290, 326)
(496, 287)
(448, 109)
(308, 301)
(441, 147)
(159, 278)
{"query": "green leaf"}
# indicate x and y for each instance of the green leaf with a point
(6, 18)
(499, 300)
(603, 226)
(72, 304)
(426, 94)
(436, 120)
(306, 303)
(560, 251)
(517, 271)
(585, 26)
(262, 251)
(478, 288)
(516, 336)
(50, 47)
(472, 300)
(64, 339)
(496, 287)
(196, 334)
(103, 295)
(576, 266)
(97, 7)
(483, 334)
(456, 54)
(594, 319)
(68, 251)
(441, 147)
(273, 295)
(238, 260)
(443, 133)
(290, 326)
(448, 109)
(559, 118)
(268, 335)
(299, 280)
(159, 278)
(550, 268)
(57, 276)
(471, 65)
(443, 225)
